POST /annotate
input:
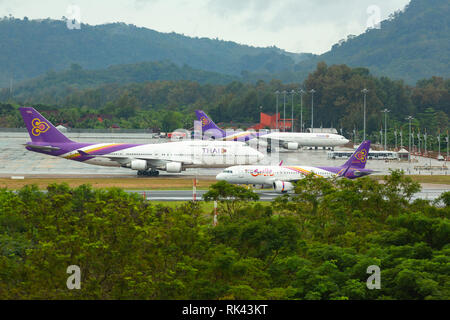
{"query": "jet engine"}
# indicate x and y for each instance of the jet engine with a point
(174, 167)
(290, 145)
(140, 165)
(262, 143)
(282, 187)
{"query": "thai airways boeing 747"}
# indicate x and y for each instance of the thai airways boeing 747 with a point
(281, 178)
(146, 159)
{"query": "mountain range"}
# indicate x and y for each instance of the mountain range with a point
(32, 47)
(413, 44)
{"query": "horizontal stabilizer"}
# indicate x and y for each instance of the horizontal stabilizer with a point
(42, 148)
(344, 174)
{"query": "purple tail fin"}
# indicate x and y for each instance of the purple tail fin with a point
(359, 158)
(40, 129)
(207, 123)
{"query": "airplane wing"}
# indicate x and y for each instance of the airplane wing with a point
(42, 148)
(112, 157)
(272, 180)
(124, 160)
(291, 180)
(282, 142)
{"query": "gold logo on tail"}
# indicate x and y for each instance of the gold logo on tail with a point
(39, 127)
(362, 156)
(205, 121)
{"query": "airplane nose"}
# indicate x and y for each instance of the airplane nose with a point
(220, 177)
(260, 156)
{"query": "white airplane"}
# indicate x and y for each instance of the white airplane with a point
(281, 178)
(146, 159)
(287, 140)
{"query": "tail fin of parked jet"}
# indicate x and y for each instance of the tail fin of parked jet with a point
(359, 158)
(207, 123)
(40, 129)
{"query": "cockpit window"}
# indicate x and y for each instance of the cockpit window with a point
(227, 171)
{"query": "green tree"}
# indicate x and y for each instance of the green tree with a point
(231, 197)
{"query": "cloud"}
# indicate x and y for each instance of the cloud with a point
(301, 25)
(142, 4)
(235, 7)
(277, 15)
(293, 25)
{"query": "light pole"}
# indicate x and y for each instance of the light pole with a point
(395, 133)
(284, 112)
(425, 141)
(401, 138)
(431, 147)
(439, 143)
(365, 91)
(292, 110)
(418, 141)
(276, 115)
(381, 136)
(385, 111)
(312, 110)
(409, 150)
(301, 109)
(447, 147)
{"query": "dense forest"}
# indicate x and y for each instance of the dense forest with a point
(33, 47)
(315, 244)
(411, 45)
(77, 77)
(169, 105)
(62, 83)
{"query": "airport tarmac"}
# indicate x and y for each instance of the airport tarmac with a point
(15, 160)
(265, 195)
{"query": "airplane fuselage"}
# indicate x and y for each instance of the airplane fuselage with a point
(192, 154)
(301, 138)
(267, 175)
(308, 139)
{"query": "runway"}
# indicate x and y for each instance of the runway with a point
(265, 195)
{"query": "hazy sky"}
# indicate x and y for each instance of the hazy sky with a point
(294, 25)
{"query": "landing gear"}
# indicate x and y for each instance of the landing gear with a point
(151, 173)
